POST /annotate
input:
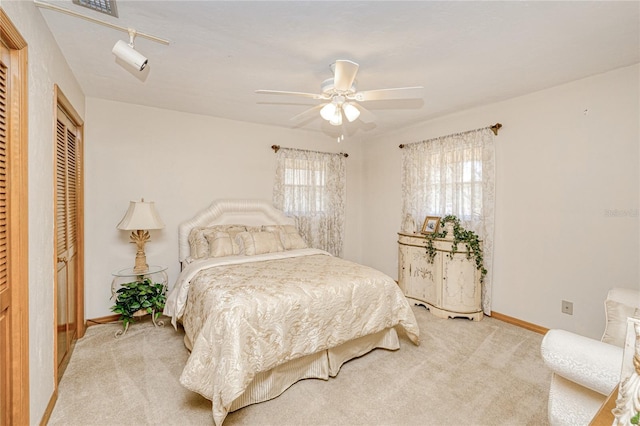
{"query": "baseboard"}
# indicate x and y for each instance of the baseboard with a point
(494, 314)
(52, 403)
(515, 321)
(103, 320)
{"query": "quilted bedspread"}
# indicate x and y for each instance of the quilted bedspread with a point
(246, 318)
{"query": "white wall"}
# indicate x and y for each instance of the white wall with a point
(182, 162)
(46, 68)
(566, 197)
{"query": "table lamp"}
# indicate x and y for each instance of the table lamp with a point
(139, 218)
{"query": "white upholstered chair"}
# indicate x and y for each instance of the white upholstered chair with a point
(584, 370)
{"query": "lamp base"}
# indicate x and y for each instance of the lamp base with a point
(141, 264)
(140, 237)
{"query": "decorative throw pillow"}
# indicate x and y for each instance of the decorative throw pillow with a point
(221, 244)
(231, 230)
(252, 243)
(617, 314)
(198, 245)
(289, 236)
(291, 239)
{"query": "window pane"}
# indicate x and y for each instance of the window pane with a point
(304, 184)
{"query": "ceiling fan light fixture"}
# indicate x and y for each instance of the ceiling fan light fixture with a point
(339, 95)
(351, 112)
(336, 120)
(328, 111)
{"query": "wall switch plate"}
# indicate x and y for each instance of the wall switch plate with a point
(567, 307)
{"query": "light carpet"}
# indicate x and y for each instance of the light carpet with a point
(463, 373)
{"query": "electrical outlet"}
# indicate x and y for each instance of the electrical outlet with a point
(567, 307)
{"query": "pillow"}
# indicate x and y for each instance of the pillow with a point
(615, 332)
(221, 244)
(198, 244)
(289, 236)
(252, 243)
(231, 231)
(291, 239)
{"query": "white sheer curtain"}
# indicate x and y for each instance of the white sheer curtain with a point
(454, 175)
(311, 186)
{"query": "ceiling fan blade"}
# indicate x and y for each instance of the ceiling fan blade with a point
(281, 92)
(344, 74)
(385, 94)
(309, 113)
(365, 115)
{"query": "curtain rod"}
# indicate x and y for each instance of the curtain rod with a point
(98, 21)
(276, 148)
(493, 128)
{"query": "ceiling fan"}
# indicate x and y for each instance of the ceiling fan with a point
(341, 97)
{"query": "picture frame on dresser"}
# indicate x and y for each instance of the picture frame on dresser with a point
(430, 225)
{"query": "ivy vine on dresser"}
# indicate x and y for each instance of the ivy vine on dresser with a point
(449, 287)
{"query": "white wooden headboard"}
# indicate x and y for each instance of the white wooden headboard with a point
(231, 212)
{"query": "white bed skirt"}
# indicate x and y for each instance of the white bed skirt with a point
(321, 365)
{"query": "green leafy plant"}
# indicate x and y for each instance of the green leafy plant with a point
(460, 235)
(139, 295)
(635, 419)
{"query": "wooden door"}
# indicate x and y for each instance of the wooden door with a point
(14, 307)
(5, 288)
(66, 235)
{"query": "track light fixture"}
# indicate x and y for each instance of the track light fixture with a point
(127, 53)
(122, 50)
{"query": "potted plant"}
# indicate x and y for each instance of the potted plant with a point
(451, 223)
(139, 298)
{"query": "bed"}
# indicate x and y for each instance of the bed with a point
(262, 311)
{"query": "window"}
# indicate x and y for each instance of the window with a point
(453, 175)
(449, 175)
(455, 181)
(311, 186)
(304, 186)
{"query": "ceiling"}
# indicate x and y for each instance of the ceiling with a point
(464, 54)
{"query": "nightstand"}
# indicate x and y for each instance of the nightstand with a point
(155, 273)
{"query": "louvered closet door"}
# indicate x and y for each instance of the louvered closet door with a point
(5, 287)
(66, 233)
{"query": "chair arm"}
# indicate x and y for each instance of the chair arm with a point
(587, 362)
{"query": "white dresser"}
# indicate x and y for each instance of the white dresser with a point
(450, 286)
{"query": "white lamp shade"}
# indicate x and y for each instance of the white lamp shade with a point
(328, 111)
(336, 120)
(351, 112)
(141, 215)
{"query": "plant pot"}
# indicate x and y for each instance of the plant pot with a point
(449, 228)
(140, 313)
